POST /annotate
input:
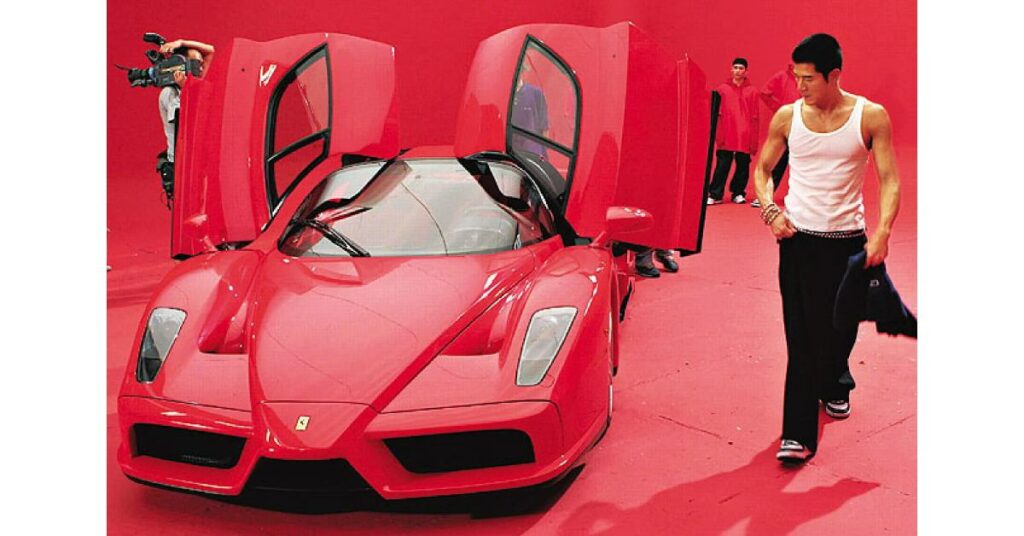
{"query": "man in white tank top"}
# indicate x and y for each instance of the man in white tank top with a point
(829, 133)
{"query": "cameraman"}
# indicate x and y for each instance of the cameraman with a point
(170, 100)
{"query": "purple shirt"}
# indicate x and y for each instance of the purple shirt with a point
(530, 112)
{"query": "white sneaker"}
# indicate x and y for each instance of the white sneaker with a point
(837, 409)
(713, 201)
(791, 451)
(755, 203)
(739, 199)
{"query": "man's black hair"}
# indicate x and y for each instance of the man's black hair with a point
(740, 61)
(822, 50)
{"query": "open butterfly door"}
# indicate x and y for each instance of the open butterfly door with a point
(602, 117)
(263, 117)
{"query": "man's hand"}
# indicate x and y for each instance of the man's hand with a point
(169, 46)
(877, 249)
(782, 228)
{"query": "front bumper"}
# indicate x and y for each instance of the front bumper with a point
(354, 433)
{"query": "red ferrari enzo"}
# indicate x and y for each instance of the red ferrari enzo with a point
(434, 321)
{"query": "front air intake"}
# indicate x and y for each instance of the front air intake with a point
(462, 450)
(187, 446)
(309, 476)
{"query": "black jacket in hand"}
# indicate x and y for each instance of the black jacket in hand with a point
(868, 294)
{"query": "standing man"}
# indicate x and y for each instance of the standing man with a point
(830, 133)
(778, 90)
(170, 100)
(737, 134)
(530, 112)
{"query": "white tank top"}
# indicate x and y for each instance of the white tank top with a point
(826, 174)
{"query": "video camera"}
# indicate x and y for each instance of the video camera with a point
(161, 74)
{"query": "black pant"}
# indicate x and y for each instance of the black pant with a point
(738, 186)
(810, 270)
(780, 169)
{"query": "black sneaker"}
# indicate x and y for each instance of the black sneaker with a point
(837, 409)
(667, 261)
(791, 451)
(647, 271)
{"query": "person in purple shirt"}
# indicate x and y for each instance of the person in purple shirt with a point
(529, 112)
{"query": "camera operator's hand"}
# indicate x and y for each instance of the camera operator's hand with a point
(170, 46)
(197, 50)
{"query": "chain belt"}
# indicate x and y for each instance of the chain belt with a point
(833, 234)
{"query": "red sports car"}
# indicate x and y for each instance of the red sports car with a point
(435, 321)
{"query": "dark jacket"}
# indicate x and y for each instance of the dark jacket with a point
(868, 294)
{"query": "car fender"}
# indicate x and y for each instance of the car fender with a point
(213, 290)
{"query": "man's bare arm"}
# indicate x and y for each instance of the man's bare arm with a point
(879, 129)
(771, 151)
(205, 49)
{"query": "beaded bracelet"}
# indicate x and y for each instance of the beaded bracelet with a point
(769, 213)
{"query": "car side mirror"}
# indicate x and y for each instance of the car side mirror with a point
(621, 221)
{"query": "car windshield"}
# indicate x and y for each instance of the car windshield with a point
(418, 207)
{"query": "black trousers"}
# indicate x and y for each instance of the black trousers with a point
(738, 186)
(780, 169)
(810, 270)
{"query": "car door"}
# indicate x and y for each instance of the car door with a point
(604, 116)
(262, 118)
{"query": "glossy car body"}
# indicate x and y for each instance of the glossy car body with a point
(302, 370)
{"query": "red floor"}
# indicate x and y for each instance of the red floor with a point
(698, 404)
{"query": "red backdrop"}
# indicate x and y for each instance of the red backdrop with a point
(435, 42)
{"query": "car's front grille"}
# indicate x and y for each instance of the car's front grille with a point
(313, 476)
(187, 446)
(462, 450)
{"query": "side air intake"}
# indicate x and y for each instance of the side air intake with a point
(187, 446)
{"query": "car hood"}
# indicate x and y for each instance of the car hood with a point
(359, 330)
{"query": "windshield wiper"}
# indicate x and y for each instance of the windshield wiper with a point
(335, 237)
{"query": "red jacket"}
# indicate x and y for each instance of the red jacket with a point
(780, 89)
(738, 117)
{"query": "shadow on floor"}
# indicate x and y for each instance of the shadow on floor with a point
(754, 493)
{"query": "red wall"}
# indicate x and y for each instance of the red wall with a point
(435, 42)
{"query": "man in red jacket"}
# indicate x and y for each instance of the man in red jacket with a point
(737, 134)
(778, 91)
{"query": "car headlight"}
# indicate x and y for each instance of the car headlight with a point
(544, 338)
(161, 331)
